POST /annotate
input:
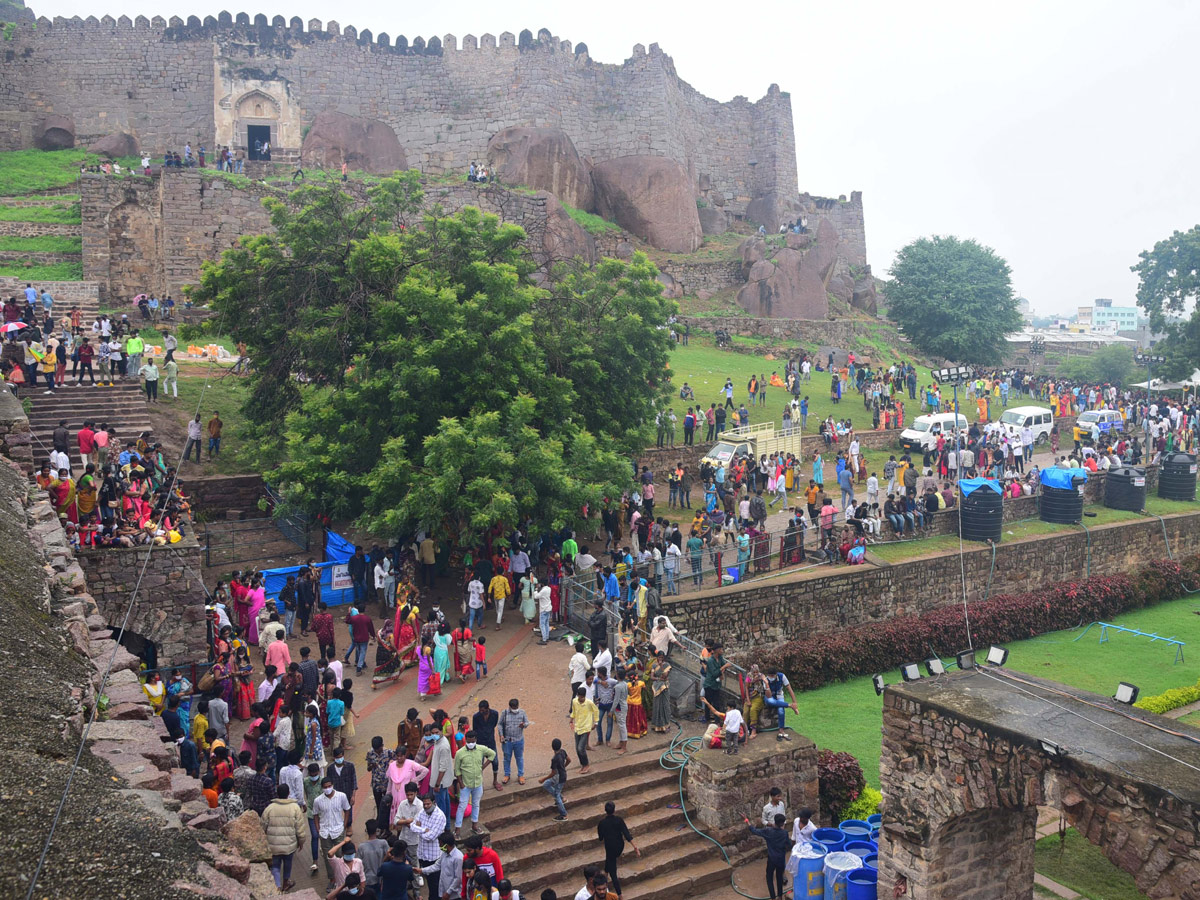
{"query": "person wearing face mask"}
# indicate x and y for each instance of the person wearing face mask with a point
(429, 826)
(405, 813)
(469, 764)
(345, 781)
(354, 889)
(344, 863)
(446, 872)
(312, 790)
(441, 767)
(331, 811)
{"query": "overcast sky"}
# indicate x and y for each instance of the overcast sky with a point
(1062, 134)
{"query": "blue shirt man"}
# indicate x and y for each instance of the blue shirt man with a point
(30, 293)
(47, 301)
(612, 588)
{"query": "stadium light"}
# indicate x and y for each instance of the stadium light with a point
(1127, 693)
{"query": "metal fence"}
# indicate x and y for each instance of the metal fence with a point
(242, 541)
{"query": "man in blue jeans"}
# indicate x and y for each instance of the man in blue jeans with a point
(469, 764)
(512, 725)
(777, 683)
(362, 631)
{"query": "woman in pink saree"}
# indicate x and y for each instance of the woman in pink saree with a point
(257, 599)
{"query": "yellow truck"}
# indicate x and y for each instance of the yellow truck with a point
(754, 441)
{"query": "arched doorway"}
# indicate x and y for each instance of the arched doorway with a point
(256, 124)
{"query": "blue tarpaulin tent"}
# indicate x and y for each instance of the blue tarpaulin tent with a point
(337, 551)
(968, 486)
(1063, 479)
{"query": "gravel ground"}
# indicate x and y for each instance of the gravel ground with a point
(106, 846)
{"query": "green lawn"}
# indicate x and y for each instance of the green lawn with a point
(897, 552)
(1075, 863)
(30, 171)
(846, 716)
(54, 272)
(59, 213)
(225, 394)
(46, 243)
(704, 367)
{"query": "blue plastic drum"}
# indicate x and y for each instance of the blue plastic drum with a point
(862, 884)
(871, 862)
(831, 838)
(856, 829)
(861, 849)
(809, 883)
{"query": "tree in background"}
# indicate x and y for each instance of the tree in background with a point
(1168, 285)
(1108, 365)
(419, 376)
(953, 299)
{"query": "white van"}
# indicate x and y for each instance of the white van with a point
(1038, 419)
(922, 435)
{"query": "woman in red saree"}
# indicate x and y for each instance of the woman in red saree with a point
(243, 690)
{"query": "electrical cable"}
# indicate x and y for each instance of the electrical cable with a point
(676, 757)
(107, 671)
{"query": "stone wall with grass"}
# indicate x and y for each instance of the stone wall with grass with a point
(174, 81)
(16, 440)
(823, 600)
(840, 334)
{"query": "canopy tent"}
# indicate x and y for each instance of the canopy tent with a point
(1160, 385)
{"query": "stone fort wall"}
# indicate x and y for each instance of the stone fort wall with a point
(170, 81)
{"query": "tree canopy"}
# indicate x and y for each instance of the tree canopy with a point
(1108, 365)
(1168, 290)
(953, 299)
(421, 376)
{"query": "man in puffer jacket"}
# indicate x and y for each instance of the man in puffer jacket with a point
(286, 827)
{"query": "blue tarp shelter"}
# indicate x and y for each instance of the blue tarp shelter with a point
(968, 486)
(337, 551)
(1063, 479)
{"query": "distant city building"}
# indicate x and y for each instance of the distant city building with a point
(1119, 318)
(1025, 310)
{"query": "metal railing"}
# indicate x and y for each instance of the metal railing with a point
(240, 541)
(291, 522)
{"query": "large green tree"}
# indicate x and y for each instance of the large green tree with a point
(953, 299)
(1108, 365)
(411, 376)
(1168, 290)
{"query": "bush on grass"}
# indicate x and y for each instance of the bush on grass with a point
(841, 783)
(814, 662)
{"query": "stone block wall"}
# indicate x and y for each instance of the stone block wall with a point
(721, 789)
(66, 294)
(37, 229)
(820, 601)
(171, 82)
(170, 605)
(16, 440)
(214, 494)
(712, 277)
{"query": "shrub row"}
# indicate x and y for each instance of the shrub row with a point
(816, 661)
(1170, 699)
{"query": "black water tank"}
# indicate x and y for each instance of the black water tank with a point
(982, 513)
(1061, 505)
(1177, 477)
(1125, 488)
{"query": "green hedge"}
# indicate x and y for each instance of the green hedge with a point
(1171, 699)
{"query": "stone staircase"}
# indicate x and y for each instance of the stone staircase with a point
(538, 852)
(122, 406)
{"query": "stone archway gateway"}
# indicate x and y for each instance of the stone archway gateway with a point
(256, 123)
(968, 757)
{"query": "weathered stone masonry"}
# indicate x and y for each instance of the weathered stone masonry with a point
(169, 82)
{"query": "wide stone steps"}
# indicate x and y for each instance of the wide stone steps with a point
(123, 407)
(675, 860)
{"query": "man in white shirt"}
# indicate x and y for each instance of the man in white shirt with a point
(475, 603)
(291, 774)
(331, 812)
(545, 609)
(671, 567)
(405, 813)
(59, 461)
(382, 568)
(602, 657)
(577, 668)
(773, 807)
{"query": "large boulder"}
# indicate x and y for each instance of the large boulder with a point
(368, 145)
(247, 836)
(54, 132)
(564, 238)
(865, 296)
(652, 197)
(114, 145)
(772, 210)
(544, 159)
(792, 283)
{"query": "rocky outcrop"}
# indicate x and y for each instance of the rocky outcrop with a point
(54, 133)
(544, 159)
(790, 282)
(564, 238)
(864, 296)
(650, 196)
(367, 145)
(772, 210)
(114, 145)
